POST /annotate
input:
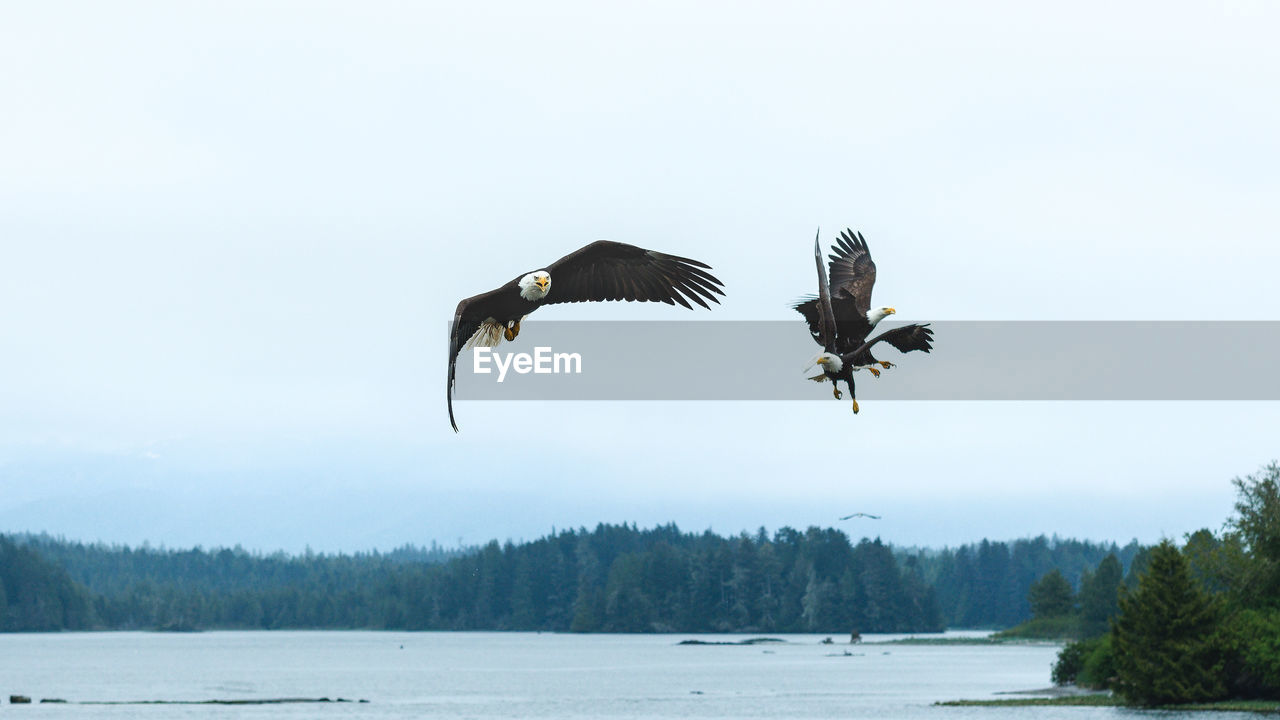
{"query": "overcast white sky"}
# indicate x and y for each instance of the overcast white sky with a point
(233, 234)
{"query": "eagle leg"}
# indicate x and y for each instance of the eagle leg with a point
(513, 329)
(885, 364)
(873, 371)
(855, 406)
(835, 390)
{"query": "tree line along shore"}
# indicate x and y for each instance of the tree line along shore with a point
(614, 578)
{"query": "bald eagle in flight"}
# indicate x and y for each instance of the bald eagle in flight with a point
(841, 320)
(600, 271)
(861, 514)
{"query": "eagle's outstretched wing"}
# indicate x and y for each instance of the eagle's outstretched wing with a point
(607, 270)
(467, 319)
(860, 514)
(906, 339)
(822, 306)
(853, 273)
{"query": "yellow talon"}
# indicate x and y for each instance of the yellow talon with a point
(873, 371)
(886, 365)
(855, 406)
(512, 331)
(836, 391)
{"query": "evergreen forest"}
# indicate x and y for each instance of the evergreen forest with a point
(613, 578)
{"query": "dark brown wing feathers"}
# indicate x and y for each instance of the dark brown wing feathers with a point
(467, 318)
(607, 270)
(907, 338)
(853, 273)
(822, 304)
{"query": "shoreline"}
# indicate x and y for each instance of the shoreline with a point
(1090, 698)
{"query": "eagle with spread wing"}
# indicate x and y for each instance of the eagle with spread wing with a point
(598, 272)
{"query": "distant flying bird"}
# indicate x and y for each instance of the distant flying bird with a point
(600, 271)
(840, 321)
(865, 515)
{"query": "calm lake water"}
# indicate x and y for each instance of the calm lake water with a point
(519, 675)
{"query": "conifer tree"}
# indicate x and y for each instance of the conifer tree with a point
(1050, 596)
(1099, 596)
(1163, 637)
(1257, 527)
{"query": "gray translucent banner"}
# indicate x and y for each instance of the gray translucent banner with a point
(691, 360)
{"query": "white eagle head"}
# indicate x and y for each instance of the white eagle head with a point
(829, 361)
(824, 363)
(535, 285)
(878, 314)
